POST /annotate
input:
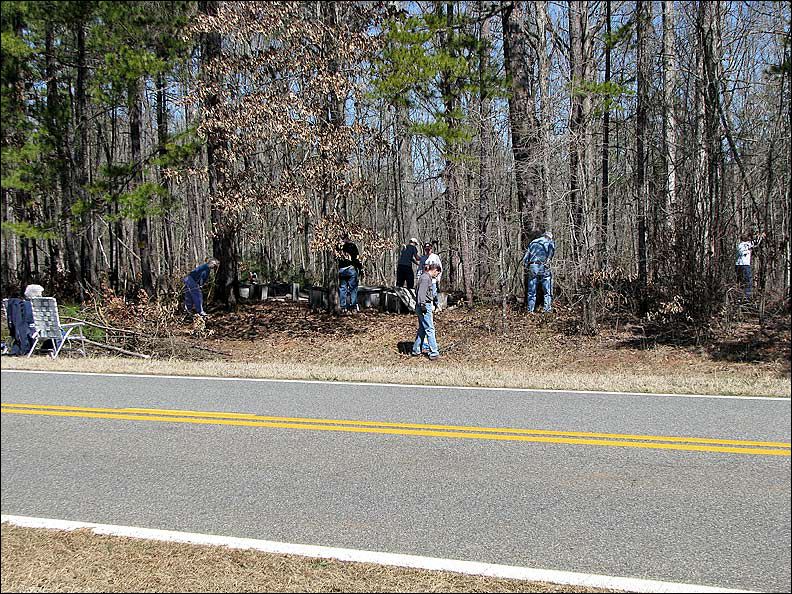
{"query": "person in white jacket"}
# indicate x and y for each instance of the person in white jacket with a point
(429, 257)
(743, 264)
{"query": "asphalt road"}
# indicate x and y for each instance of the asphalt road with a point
(704, 516)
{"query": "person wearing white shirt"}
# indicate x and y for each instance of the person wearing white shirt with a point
(429, 257)
(743, 265)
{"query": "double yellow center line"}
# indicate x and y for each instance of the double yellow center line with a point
(658, 442)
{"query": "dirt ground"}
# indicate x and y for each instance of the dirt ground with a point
(282, 329)
(484, 339)
(740, 354)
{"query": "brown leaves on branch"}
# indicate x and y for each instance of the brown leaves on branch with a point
(277, 98)
(329, 236)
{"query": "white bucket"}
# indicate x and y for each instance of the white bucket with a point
(244, 292)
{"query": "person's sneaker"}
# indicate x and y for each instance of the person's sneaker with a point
(412, 354)
(434, 357)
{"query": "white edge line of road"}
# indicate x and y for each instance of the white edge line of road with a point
(357, 556)
(373, 384)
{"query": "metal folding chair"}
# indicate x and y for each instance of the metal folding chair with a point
(48, 326)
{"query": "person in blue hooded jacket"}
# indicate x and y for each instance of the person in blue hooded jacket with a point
(193, 282)
(537, 264)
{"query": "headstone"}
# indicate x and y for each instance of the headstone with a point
(369, 296)
(407, 297)
(317, 298)
(392, 303)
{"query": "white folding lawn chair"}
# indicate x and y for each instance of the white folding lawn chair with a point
(48, 326)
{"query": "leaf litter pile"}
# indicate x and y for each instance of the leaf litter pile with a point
(484, 335)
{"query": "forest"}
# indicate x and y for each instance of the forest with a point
(139, 138)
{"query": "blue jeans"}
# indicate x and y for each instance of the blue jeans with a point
(745, 278)
(426, 331)
(425, 343)
(193, 298)
(348, 286)
(538, 273)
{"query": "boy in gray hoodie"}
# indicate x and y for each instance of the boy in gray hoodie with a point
(424, 305)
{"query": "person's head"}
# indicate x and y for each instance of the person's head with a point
(33, 291)
(434, 270)
(213, 262)
(414, 241)
(548, 234)
(427, 248)
(745, 236)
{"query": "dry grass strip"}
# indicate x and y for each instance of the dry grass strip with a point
(439, 374)
(41, 560)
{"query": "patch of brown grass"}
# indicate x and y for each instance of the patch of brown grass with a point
(281, 340)
(38, 560)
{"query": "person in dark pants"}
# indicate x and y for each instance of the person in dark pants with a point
(743, 265)
(193, 282)
(404, 271)
(349, 271)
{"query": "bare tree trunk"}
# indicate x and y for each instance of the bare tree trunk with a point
(223, 228)
(606, 148)
(135, 98)
(578, 19)
(710, 47)
(56, 126)
(640, 189)
(485, 163)
(522, 120)
(543, 84)
(669, 118)
(335, 110)
(85, 272)
(162, 139)
(457, 220)
(406, 173)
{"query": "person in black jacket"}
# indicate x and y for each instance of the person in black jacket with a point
(404, 270)
(349, 272)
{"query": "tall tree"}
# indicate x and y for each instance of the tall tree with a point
(224, 227)
(606, 112)
(643, 16)
(669, 117)
(522, 116)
